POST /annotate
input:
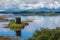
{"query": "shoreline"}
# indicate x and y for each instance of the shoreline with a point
(2, 19)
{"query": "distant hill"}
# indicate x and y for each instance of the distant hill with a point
(42, 13)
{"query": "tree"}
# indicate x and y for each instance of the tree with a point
(46, 34)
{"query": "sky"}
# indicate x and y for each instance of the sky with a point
(28, 4)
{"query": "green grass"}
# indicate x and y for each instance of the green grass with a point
(15, 26)
(12, 23)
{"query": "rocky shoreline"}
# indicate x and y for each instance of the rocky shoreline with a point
(2, 19)
(5, 38)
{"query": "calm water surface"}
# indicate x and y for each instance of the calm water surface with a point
(38, 22)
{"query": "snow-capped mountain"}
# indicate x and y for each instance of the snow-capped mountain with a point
(29, 4)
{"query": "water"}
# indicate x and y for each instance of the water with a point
(38, 21)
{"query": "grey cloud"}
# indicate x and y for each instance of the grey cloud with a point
(29, 4)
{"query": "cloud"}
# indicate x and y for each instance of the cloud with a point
(1, 10)
(29, 4)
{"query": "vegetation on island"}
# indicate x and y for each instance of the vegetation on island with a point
(14, 26)
(46, 34)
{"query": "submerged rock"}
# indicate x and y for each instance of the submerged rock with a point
(5, 38)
